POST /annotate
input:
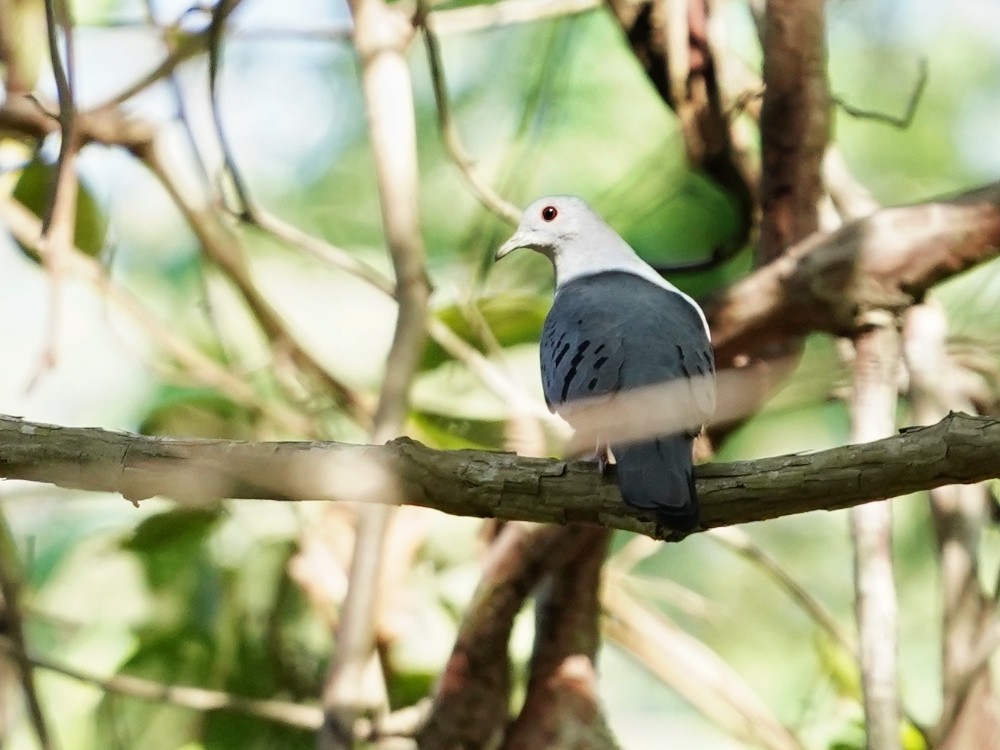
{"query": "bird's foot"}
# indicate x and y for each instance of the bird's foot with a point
(603, 459)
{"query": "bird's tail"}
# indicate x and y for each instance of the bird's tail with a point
(658, 475)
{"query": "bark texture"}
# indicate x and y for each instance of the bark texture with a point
(960, 449)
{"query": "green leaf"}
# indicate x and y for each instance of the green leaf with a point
(223, 730)
(175, 658)
(841, 667)
(170, 547)
(197, 412)
(453, 434)
(34, 189)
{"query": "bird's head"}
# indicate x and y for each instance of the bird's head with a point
(548, 225)
(564, 229)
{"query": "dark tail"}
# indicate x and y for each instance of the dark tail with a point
(658, 476)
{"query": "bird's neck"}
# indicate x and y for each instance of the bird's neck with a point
(589, 261)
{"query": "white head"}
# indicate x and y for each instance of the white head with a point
(566, 230)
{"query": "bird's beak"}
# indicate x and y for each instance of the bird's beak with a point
(519, 240)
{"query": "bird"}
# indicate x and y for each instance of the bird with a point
(617, 326)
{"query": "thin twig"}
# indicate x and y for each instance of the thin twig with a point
(402, 723)
(738, 541)
(215, 44)
(170, 45)
(462, 19)
(195, 698)
(11, 584)
(470, 18)
(220, 245)
(449, 131)
(695, 671)
(189, 45)
(26, 227)
(897, 121)
(60, 219)
(57, 18)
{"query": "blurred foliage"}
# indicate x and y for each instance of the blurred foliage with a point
(211, 596)
(34, 188)
(196, 412)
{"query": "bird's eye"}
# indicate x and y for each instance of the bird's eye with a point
(549, 213)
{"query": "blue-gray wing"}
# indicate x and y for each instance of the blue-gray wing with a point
(616, 331)
(582, 351)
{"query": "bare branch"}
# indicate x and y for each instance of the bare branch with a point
(381, 38)
(958, 450)
(472, 697)
(190, 45)
(222, 248)
(220, 13)
(873, 415)
(449, 130)
(694, 671)
(969, 714)
(196, 698)
(740, 542)
(60, 219)
(826, 282)
(562, 708)
(26, 227)
(693, 92)
(11, 583)
(492, 376)
(468, 18)
(898, 121)
(794, 124)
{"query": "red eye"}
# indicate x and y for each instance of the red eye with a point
(549, 213)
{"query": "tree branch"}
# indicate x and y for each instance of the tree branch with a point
(969, 713)
(472, 697)
(887, 260)
(873, 415)
(794, 124)
(671, 42)
(957, 450)
(484, 192)
(381, 38)
(11, 586)
(561, 708)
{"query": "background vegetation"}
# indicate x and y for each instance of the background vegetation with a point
(244, 597)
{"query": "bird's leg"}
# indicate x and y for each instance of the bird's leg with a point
(603, 457)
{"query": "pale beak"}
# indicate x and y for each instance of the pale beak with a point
(519, 240)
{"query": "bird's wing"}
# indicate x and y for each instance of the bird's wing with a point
(615, 331)
(670, 344)
(582, 348)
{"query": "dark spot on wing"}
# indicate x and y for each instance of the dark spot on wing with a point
(561, 354)
(600, 360)
(574, 365)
